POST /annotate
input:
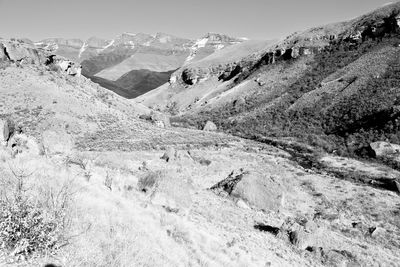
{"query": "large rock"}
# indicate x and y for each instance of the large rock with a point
(7, 128)
(210, 127)
(22, 53)
(3, 55)
(385, 149)
(256, 189)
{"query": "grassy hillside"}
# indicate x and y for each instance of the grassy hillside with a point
(346, 97)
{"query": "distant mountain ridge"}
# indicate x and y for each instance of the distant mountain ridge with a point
(112, 63)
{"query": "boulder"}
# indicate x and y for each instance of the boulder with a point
(256, 189)
(210, 127)
(7, 129)
(3, 55)
(19, 52)
(260, 82)
(385, 149)
(160, 119)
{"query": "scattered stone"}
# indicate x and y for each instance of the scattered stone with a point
(310, 226)
(241, 204)
(210, 127)
(376, 231)
(240, 101)
(204, 162)
(260, 82)
(170, 154)
(267, 228)
(143, 167)
(159, 119)
(318, 252)
(163, 200)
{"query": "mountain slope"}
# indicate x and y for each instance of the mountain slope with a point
(334, 87)
(207, 69)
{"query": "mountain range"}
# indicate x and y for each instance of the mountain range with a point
(133, 64)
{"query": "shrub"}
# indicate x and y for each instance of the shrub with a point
(25, 228)
(149, 181)
(33, 219)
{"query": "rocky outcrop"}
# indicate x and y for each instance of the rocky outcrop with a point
(67, 66)
(191, 75)
(22, 53)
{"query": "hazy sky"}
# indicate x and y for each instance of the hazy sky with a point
(255, 19)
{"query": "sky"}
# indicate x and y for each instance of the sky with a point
(254, 19)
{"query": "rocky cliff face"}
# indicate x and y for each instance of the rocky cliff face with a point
(19, 52)
(307, 43)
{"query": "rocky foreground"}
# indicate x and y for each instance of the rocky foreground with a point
(85, 182)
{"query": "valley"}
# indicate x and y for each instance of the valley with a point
(219, 151)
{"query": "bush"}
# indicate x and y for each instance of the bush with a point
(25, 228)
(149, 181)
(33, 219)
